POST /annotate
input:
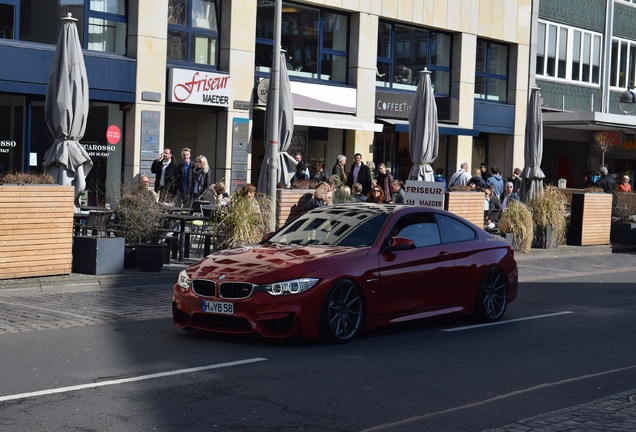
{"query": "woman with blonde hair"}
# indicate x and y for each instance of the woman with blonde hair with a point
(201, 178)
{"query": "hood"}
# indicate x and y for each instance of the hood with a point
(261, 263)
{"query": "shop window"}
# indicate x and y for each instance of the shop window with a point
(623, 63)
(404, 51)
(193, 31)
(12, 138)
(491, 71)
(101, 24)
(316, 41)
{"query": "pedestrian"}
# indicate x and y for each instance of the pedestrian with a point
(496, 180)
(516, 180)
(606, 181)
(483, 167)
(302, 171)
(319, 175)
(461, 177)
(201, 178)
(624, 185)
(184, 179)
(477, 180)
(356, 192)
(439, 176)
(384, 179)
(376, 195)
(166, 181)
(339, 169)
(360, 173)
(508, 194)
(397, 191)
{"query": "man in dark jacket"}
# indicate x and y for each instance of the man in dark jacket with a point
(606, 181)
(360, 173)
(184, 179)
(165, 167)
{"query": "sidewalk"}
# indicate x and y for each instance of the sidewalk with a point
(76, 282)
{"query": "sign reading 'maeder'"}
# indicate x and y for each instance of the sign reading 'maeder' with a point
(199, 87)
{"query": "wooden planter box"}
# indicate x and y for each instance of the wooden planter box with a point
(36, 230)
(469, 205)
(290, 204)
(591, 219)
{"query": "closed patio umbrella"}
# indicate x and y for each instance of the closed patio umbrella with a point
(532, 176)
(66, 111)
(423, 132)
(286, 163)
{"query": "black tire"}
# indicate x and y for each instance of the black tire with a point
(342, 313)
(492, 296)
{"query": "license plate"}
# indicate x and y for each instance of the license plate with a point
(218, 307)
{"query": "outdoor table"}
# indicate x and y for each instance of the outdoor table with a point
(182, 219)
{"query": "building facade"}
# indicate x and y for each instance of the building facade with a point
(584, 61)
(191, 73)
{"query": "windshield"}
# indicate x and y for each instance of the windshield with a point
(356, 227)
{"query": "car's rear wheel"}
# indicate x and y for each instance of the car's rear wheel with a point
(342, 313)
(492, 297)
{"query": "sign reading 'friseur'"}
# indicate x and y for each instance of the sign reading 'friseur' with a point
(199, 87)
(429, 194)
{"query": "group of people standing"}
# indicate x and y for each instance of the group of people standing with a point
(181, 183)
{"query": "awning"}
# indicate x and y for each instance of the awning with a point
(589, 120)
(334, 121)
(444, 129)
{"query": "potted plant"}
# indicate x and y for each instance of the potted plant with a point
(548, 216)
(623, 230)
(243, 222)
(139, 220)
(516, 222)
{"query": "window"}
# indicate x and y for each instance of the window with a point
(491, 71)
(316, 41)
(101, 24)
(403, 52)
(623, 63)
(454, 231)
(193, 31)
(7, 19)
(568, 53)
(421, 228)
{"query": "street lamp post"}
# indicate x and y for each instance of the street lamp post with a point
(628, 101)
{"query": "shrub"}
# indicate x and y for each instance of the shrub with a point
(27, 178)
(139, 218)
(517, 220)
(244, 221)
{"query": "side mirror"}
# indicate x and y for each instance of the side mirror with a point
(399, 243)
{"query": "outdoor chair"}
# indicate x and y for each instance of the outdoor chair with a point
(97, 224)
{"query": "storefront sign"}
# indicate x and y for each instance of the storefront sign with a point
(398, 105)
(113, 134)
(199, 87)
(429, 194)
(6, 146)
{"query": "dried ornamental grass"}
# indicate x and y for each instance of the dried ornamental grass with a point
(517, 220)
(548, 210)
(244, 221)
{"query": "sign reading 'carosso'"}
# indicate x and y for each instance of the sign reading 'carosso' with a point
(199, 87)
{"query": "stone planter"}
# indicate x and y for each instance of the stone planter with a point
(591, 219)
(150, 257)
(469, 205)
(36, 230)
(544, 238)
(98, 255)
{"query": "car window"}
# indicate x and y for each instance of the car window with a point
(420, 227)
(454, 231)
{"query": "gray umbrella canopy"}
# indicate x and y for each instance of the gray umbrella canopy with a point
(532, 176)
(66, 111)
(423, 131)
(286, 163)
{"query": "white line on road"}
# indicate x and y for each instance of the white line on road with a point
(506, 322)
(127, 380)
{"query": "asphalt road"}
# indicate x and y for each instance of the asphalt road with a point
(110, 360)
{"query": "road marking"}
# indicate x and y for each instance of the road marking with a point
(470, 327)
(496, 398)
(128, 380)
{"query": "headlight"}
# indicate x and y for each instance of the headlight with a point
(184, 281)
(294, 286)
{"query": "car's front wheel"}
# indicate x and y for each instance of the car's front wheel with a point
(342, 313)
(492, 297)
